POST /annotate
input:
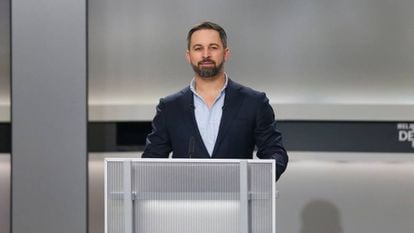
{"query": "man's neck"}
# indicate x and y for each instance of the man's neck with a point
(211, 84)
(209, 88)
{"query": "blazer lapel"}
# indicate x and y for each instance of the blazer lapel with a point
(231, 107)
(188, 103)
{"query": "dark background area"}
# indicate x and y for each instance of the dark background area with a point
(5, 137)
(297, 136)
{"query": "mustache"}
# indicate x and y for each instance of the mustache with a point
(206, 60)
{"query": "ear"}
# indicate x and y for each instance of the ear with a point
(226, 54)
(187, 56)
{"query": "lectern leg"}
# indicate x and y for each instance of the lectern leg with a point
(127, 197)
(244, 198)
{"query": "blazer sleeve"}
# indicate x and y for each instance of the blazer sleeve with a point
(268, 138)
(158, 143)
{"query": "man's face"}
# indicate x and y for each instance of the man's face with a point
(206, 53)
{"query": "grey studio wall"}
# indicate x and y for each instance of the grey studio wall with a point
(48, 116)
(318, 60)
(4, 117)
(4, 61)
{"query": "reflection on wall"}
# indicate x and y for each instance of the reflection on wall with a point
(4, 60)
(320, 216)
(299, 52)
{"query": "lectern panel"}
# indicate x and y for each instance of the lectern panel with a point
(261, 191)
(115, 214)
(187, 196)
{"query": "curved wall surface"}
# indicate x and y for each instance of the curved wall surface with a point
(316, 60)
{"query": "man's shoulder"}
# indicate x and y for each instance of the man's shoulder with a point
(177, 96)
(246, 91)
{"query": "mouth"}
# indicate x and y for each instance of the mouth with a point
(207, 63)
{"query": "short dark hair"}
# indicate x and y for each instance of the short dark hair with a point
(211, 26)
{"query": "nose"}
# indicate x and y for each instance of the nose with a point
(206, 53)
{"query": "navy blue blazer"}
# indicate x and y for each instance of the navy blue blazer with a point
(247, 121)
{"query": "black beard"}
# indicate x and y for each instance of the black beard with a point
(207, 72)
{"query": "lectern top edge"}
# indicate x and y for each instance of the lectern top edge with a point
(178, 160)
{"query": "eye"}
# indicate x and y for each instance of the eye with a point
(197, 47)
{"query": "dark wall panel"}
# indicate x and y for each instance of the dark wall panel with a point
(5, 138)
(297, 135)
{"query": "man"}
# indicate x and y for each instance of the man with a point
(214, 117)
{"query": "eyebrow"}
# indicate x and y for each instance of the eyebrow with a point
(212, 44)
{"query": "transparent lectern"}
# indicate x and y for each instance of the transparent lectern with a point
(190, 196)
